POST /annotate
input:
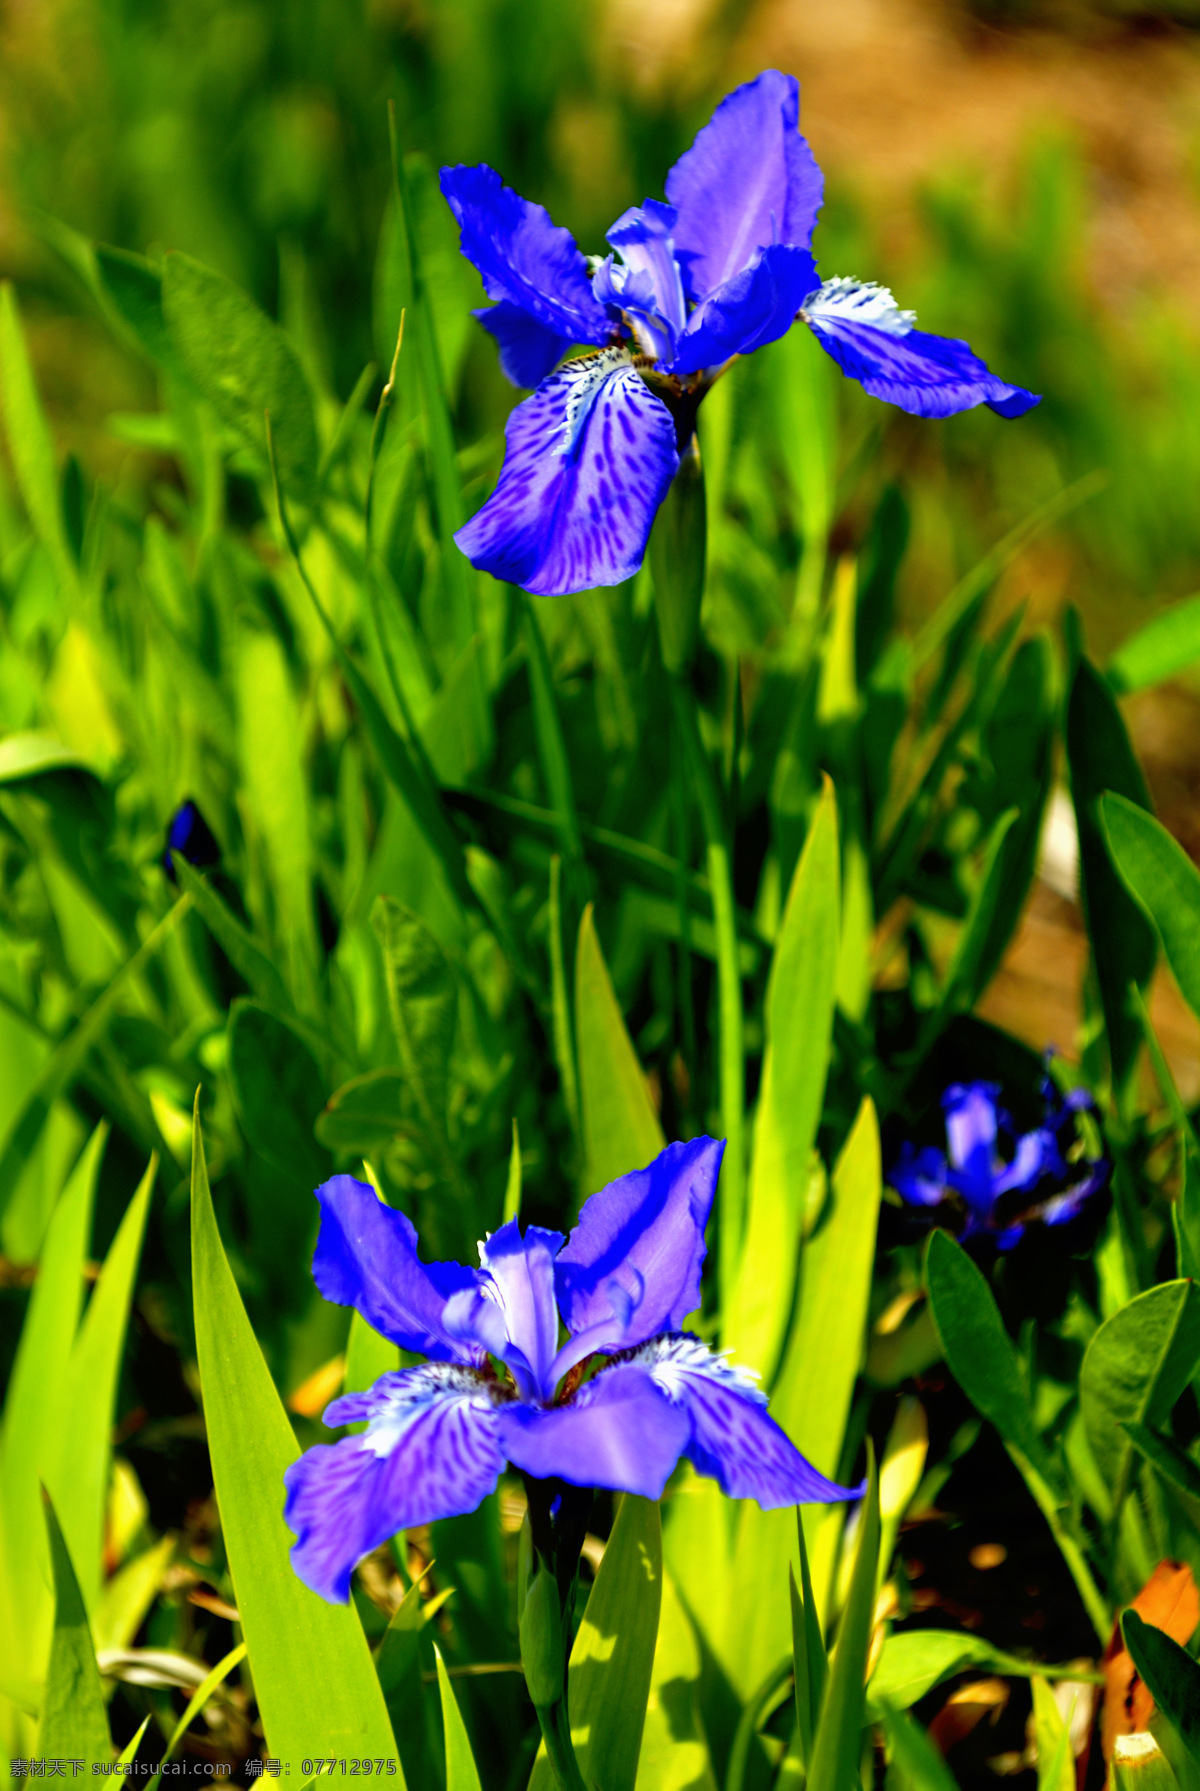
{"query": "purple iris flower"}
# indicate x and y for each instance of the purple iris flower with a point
(190, 835)
(724, 267)
(500, 1385)
(1002, 1179)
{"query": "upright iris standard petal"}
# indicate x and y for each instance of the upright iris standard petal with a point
(588, 461)
(971, 1128)
(366, 1257)
(863, 329)
(524, 258)
(431, 1450)
(513, 1314)
(731, 1435)
(619, 1431)
(631, 1267)
(642, 236)
(754, 307)
(748, 180)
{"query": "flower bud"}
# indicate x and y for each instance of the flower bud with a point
(542, 1653)
(678, 545)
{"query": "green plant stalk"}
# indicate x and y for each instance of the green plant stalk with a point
(1072, 1553)
(732, 1075)
(564, 1049)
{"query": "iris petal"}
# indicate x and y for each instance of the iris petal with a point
(529, 350)
(631, 1267)
(366, 1257)
(732, 1436)
(748, 180)
(431, 1450)
(522, 1273)
(619, 1431)
(523, 256)
(588, 461)
(756, 306)
(872, 341)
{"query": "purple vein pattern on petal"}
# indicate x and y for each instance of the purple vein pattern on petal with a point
(588, 460)
(733, 1438)
(861, 327)
(754, 307)
(619, 1431)
(522, 255)
(631, 1267)
(366, 1257)
(748, 180)
(431, 1451)
(528, 349)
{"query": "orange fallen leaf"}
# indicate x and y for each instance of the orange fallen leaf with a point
(1170, 1601)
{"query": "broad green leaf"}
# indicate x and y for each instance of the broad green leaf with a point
(979, 1352)
(916, 1660)
(126, 1597)
(1019, 744)
(33, 1413)
(364, 1114)
(837, 1744)
(423, 1001)
(674, 1755)
(810, 1665)
(1135, 1368)
(399, 1663)
(78, 1461)
(313, 1675)
(1168, 643)
(814, 1388)
(621, 1130)
(29, 440)
(278, 1092)
(1162, 1452)
(1055, 1761)
(811, 1400)
(1122, 941)
(247, 957)
(612, 1662)
(914, 1762)
(461, 1772)
(30, 754)
(1172, 1677)
(133, 287)
(1165, 883)
(243, 364)
(798, 1019)
(74, 1723)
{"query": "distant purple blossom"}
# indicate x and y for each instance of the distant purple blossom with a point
(499, 1384)
(995, 1180)
(724, 267)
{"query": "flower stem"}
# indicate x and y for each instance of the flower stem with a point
(732, 1073)
(558, 1515)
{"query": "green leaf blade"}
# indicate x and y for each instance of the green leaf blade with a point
(313, 1676)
